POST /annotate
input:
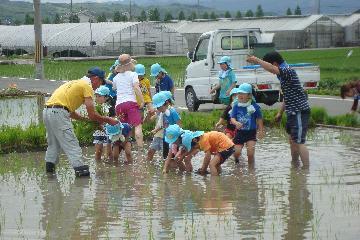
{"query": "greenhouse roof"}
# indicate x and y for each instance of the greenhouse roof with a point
(266, 24)
(66, 34)
(346, 20)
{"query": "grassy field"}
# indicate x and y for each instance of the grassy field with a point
(335, 67)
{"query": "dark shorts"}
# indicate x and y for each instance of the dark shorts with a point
(297, 125)
(243, 136)
(226, 154)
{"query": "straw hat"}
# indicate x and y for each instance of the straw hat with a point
(126, 63)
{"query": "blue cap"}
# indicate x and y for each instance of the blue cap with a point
(156, 69)
(96, 71)
(112, 130)
(245, 88)
(188, 136)
(140, 69)
(172, 133)
(158, 99)
(102, 90)
(226, 60)
(167, 95)
(234, 91)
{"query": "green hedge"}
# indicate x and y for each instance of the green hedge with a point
(33, 138)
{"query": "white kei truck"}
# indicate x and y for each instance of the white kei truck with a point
(203, 72)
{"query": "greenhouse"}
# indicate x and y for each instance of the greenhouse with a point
(351, 25)
(290, 32)
(95, 39)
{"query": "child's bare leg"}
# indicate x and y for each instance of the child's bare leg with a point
(188, 165)
(294, 151)
(237, 153)
(128, 155)
(98, 151)
(250, 147)
(139, 136)
(109, 151)
(304, 155)
(166, 165)
(116, 152)
(150, 154)
(214, 163)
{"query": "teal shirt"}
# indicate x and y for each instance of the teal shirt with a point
(226, 79)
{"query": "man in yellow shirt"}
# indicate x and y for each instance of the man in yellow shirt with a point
(60, 108)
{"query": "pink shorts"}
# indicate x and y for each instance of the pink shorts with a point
(128, 112)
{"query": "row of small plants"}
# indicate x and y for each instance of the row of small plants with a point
(34, 138)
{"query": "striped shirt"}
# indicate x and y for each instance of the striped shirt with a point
(295, 97)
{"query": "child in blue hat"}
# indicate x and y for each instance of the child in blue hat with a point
(216, 145)
(163, 80)
(119, 137)
(144, 84)
(227, 80)
(247, 117)
(167, 115)
(103, 108)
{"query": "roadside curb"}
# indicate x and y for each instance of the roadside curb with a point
(338, 127)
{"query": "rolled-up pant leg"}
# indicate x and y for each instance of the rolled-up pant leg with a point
(60, 134)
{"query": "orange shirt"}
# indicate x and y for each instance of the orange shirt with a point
(215, 142)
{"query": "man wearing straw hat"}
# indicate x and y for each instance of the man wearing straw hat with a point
(60, 108)
(127, 86)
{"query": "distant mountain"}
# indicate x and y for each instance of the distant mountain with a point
(276, 6)
(14, 11)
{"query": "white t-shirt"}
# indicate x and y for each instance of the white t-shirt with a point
(124, 85)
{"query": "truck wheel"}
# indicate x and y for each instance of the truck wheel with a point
(192, 103)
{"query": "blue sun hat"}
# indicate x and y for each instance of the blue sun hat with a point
(172, 133)
(102, 91)
(156, 69)
(167, 95)
(234, 91)
(226, 60)
(245, 88)
(159, 99)
(114, 132)
(140, 69)
(188, 136)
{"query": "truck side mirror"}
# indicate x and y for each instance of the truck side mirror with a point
(190, 55)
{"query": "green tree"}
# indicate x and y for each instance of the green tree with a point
(288, 12)
(117, 16)
(259, 11)
(154, 15)
(46, 20)
(227, 14)
(213, 16)
(238, 15)
(192, 16)
(101, 18)
(57, 19)
(17, 22)
(28, 19)
(168, 17)
(181, 15)
(143, 16)
(249, 13)
(205, 15)
(74, 18)
(297, 10)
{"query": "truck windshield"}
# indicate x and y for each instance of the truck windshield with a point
(238, 42)
(202, 49)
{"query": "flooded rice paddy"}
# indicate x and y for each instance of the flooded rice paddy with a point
(272, 201)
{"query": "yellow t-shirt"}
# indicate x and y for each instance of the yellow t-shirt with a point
(71, 94)
(145, 86)
(215, 142)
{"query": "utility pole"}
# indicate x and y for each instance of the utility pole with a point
(130, 12)
(39, 64)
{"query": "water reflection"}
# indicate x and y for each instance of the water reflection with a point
(300, 212)
(272, 201)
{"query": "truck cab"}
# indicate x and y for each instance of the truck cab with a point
(202, 73)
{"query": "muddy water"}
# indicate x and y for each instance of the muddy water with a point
(272, 201)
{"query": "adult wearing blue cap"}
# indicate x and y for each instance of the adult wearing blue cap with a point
(227, 80)
(163, 80)
(58, 111)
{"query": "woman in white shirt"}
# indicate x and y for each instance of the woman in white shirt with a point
(126, 83)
